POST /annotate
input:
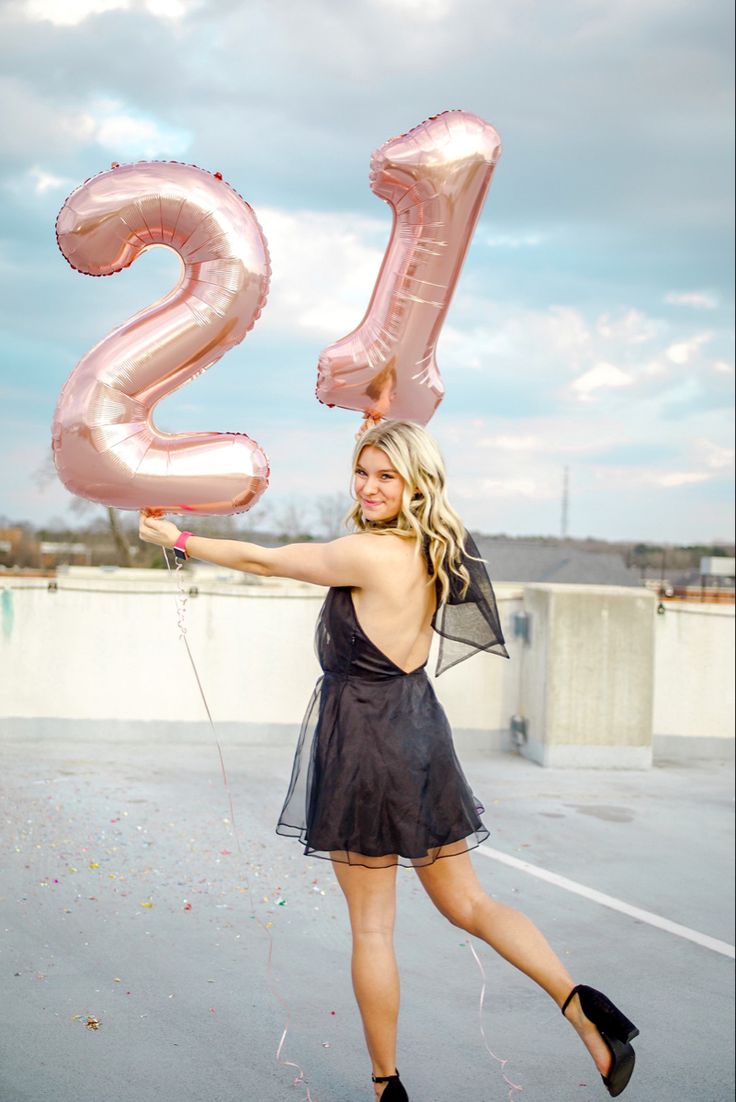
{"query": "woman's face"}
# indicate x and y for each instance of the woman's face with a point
(378, 485)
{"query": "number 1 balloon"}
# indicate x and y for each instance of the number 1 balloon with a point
(435, 179)
(106, 446)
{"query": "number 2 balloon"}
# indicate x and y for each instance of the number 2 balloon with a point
(106, 446)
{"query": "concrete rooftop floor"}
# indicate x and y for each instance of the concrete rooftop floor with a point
(107, 842)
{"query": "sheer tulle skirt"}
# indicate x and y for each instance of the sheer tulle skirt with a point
(376, 780)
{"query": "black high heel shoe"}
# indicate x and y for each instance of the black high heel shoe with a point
(394, 1091)
(615, 1029)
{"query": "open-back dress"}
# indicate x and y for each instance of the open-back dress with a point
(376, 780)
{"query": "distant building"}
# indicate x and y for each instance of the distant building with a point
(10, 543)
(55, 553)
(715, 572)
(532, 561)
(718, 570)
(17, 547)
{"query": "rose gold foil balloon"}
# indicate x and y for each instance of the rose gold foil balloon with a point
(106, 446)
(435, 178)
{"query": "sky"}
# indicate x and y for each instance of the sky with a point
(592, 325)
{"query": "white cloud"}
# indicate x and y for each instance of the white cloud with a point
(615, 471)
(56, 129)
(715, 456)
(34, 183)
(631, 328)
(46, 181)
(516, 241)
(168, 9)
(699, 300)
(129, 134)
(538, 440)
(602, 376)
(640, 478)
(500, 488)
(654, 368)
(535, 339)
(70, 13)
(324, 269)
(510, 443)
(679, 478)
(681, 352)
(424, 9)
(723, 367)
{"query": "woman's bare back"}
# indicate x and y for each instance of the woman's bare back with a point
(396, 610)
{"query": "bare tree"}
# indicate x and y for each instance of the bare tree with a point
(254, 519)
(121, 543)
(45, 474)
(331, 510)
(291, 523)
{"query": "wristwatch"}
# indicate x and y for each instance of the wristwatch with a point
(180, 547)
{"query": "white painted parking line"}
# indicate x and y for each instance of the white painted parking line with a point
(610, 901)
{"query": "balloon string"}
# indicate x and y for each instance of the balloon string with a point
(502, 1062)
(182, 598)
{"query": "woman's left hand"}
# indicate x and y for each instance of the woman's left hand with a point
(163, 533)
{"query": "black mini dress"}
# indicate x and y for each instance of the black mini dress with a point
(376, 780)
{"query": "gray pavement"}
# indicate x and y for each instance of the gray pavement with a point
(124, 899)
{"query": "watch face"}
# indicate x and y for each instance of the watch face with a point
(179, 553)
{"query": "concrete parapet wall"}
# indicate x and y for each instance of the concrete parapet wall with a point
(604, 680)
(694, 697)
(588, 676)
(112, 651)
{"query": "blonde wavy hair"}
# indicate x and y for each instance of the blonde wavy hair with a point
(425, 513)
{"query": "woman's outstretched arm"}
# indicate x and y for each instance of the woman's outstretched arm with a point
(350, 560)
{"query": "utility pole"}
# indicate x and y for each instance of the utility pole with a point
(565, 502)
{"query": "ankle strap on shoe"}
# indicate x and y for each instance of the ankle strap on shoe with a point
(569, 998)
(385, 1078)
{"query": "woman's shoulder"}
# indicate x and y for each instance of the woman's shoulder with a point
(383, 554)
(385, 545)
(381, 538)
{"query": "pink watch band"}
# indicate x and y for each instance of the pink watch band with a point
(181, 544)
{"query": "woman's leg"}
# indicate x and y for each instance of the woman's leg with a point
(453, 886)
(371, 899)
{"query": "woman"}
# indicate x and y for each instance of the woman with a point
(375, 781)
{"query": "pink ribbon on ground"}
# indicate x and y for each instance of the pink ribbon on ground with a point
(502, 1062)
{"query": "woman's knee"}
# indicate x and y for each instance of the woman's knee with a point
(468, 913)
(374, 931)
(373, 917)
